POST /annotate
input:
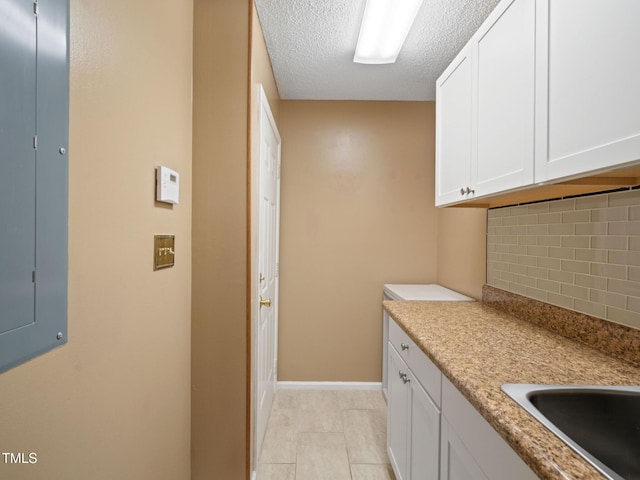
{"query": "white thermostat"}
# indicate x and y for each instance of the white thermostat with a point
(168, 185)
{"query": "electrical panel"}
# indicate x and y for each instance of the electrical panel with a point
(34, 119)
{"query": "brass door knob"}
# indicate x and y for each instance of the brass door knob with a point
(265, 302)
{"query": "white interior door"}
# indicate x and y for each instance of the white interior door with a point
(268, 258)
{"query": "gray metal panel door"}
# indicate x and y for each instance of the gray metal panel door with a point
(17, 163)
(52, 172)
(34, 102)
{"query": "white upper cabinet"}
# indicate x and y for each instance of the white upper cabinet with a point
(453, 130)
(485, 102)
(504, 61)
(544, 91)
(588, 87)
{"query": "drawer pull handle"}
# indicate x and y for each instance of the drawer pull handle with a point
(404, 346)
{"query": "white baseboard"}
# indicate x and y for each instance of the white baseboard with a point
(329, 386)
(253, 475)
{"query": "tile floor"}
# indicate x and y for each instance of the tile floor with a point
(326, 435)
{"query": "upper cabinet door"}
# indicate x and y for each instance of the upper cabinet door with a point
(453, 130)
(589, 108)
(503, 108)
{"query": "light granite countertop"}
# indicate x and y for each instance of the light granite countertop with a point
(479, 348)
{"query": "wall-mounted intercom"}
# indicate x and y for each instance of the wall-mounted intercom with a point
(168, 185)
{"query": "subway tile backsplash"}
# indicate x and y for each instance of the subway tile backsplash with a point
(579, 253)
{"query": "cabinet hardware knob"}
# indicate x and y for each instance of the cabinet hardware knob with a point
(404, 346)
(406, 379)
(265, 302)
(462, 191)
(470, 191)
(401, 374)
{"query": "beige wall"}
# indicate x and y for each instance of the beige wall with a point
(462, 249)
(220, 172)
(114, 402)
(357, 211)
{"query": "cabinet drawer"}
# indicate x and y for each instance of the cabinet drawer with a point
(423, 369)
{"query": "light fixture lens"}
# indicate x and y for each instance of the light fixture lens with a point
(385, 26)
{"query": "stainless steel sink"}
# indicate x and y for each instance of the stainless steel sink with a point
(602, 424)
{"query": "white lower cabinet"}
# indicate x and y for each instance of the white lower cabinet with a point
(456, 463)
(433, 432)
(413, 431)
(471, 448)
(424, 425)
(397, 415)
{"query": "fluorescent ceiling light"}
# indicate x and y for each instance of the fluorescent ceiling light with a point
(385, 25)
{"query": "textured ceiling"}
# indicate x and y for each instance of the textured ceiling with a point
(311, 45)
